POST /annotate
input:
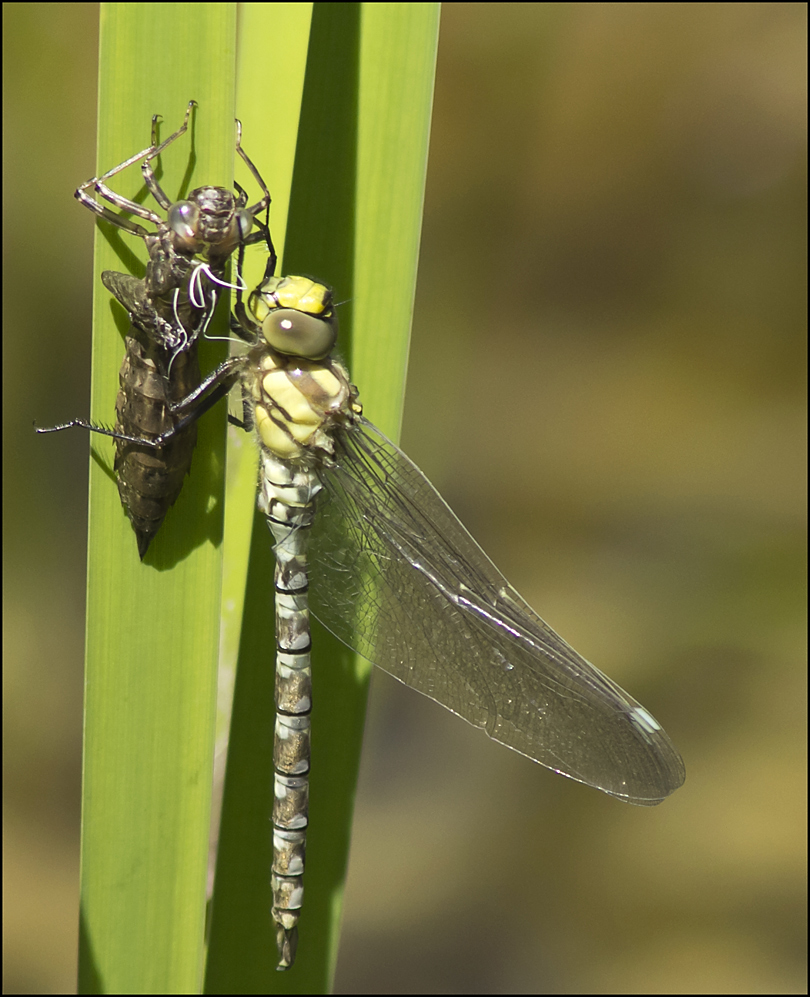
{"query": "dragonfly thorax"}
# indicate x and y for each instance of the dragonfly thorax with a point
(297, 402)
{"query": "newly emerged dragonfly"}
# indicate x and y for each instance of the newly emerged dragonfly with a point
(169, 308)
(367, 544)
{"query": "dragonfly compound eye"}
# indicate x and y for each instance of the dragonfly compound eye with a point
(244, 221)
(297, 334)
(184, 221)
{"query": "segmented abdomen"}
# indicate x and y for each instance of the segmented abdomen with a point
(149, 478)
(287, 497)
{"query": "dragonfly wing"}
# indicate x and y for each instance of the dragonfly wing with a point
(397, 577)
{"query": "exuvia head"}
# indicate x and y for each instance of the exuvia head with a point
(209, 220)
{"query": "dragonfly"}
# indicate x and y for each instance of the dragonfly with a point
(365, 543)
(169, 309)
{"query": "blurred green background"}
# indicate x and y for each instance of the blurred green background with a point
(607, 383)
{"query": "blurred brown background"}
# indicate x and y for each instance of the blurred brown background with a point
(613, 256)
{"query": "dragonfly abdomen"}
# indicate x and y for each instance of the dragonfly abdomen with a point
(287, 498)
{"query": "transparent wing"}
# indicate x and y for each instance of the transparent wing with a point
(396, 577)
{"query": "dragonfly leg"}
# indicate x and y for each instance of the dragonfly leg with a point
(146, 167)
(259, 206)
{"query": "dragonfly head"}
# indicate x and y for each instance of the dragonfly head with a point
(296, 316)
